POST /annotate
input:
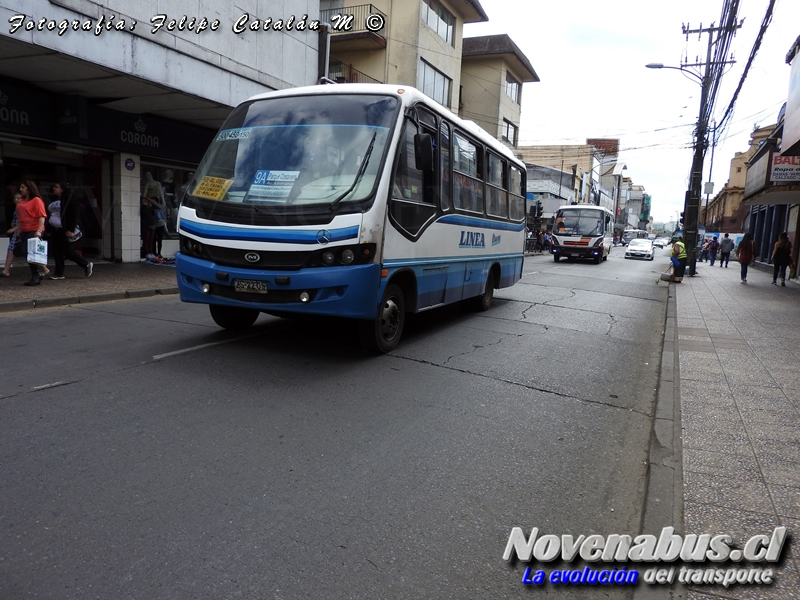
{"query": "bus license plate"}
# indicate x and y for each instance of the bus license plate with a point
(250, 286)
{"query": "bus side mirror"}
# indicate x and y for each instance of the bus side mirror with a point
(423, 151)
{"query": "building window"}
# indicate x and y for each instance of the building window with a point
(434, 83)
(510, 132)
(512, 87)
(438, 18)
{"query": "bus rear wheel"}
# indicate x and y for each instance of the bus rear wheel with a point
(383, 333)
(233, 317)
(484, 301)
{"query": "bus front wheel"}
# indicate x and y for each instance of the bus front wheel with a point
(383, 333)
(233, 317)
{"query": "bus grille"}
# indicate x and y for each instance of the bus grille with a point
(581, 242)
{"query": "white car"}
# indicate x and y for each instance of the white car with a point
(661, 242)
(640, 248)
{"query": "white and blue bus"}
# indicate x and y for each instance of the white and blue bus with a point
(583, 231)
(359, 201)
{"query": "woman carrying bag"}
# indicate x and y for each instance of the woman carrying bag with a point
(32, 215)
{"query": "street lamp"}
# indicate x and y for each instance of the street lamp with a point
(692, 202)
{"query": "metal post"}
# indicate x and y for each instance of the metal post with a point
(692, 204)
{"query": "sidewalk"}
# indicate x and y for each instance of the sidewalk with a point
(109, 281)
(739, 388)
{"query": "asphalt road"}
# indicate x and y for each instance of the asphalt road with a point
(144, 453)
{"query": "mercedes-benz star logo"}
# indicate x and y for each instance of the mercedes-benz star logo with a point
(324, 236)
(252, 257)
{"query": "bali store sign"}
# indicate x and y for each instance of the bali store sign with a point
(785, 169)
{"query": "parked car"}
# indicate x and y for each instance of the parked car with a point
(640, 248)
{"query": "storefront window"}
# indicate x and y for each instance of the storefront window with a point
(167, 185)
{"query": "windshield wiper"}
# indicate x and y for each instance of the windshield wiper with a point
(360, 173)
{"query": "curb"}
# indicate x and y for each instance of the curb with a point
(20, 305)
(664, 500)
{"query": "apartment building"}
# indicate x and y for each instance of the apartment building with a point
(421, 43)
(493, 69)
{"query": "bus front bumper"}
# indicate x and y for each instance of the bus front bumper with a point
(584, 252)
(342, 291)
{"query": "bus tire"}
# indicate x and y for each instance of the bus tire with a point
(483, 302)
(556, 257)
(383, 333)
(233, 317)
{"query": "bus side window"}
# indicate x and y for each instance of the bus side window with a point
(467, 180)
(497, 200)
(408, 180)
(444, 165)
(516, 195)
(413, 200)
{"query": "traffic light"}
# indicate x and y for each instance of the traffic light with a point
(680, 222)
(539, 209)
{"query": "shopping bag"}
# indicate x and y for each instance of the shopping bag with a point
(37, 251)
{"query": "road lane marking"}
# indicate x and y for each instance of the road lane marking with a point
(202, 346)
(51, 385)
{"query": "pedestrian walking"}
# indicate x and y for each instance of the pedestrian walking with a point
(725, 249)
(745, 253)
(703, 252)
(32, 215)
(713, 247)
(781, 258)
(13, 238)
(65, 231)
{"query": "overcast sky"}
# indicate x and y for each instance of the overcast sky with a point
(590, 57)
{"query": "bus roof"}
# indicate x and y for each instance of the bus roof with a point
(407, 95)
(585, 206)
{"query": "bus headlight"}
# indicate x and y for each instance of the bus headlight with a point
(357, 254)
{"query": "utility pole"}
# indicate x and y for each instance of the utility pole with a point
(694, 193)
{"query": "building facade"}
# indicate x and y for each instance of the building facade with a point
(772, 184)
(725, 213)
(116, 100)
(595, 175)
(493, 70)
(419, 45)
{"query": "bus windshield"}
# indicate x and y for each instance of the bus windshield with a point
(633, 234)
(286, 153)
(581, 221)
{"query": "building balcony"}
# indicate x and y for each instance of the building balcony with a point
(342, 73)
(355, 27)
